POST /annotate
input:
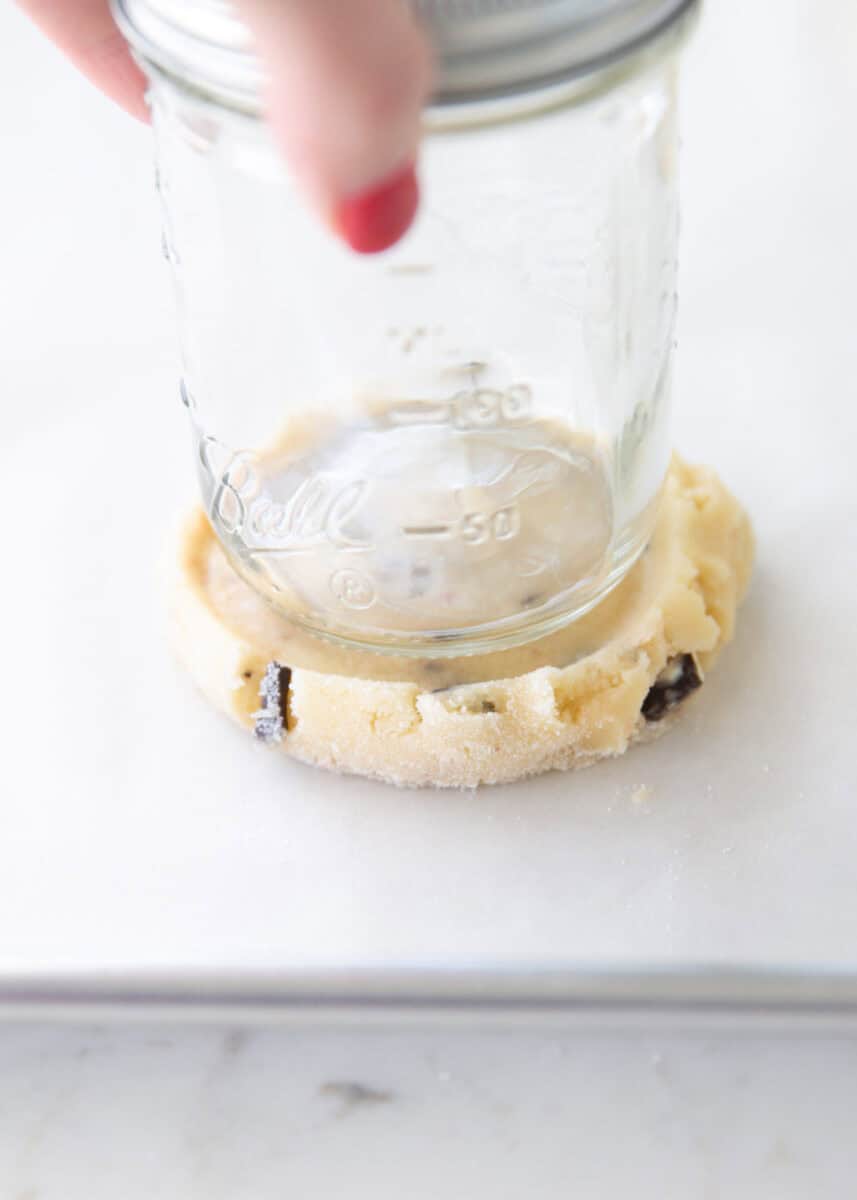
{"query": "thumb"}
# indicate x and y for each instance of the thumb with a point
(347, 82)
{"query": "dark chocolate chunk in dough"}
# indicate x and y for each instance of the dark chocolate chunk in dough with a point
(272, 719)
(678, 679)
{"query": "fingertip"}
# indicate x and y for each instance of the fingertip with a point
(107, 61)
(375, 219)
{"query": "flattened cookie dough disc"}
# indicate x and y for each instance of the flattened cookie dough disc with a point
(618, 675)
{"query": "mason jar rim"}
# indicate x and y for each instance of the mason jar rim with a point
(488, 51)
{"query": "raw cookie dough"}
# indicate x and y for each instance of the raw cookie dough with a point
(617, 675)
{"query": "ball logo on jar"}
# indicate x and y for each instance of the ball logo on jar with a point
(315, 513)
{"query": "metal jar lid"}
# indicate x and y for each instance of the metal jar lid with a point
(485, 49)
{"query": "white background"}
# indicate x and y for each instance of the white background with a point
(140, 830)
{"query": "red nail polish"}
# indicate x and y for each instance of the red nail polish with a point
(375, 220)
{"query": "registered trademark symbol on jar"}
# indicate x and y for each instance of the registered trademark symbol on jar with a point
(352, 588)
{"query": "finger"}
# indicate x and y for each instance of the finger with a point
(87, 33)
(347, 84)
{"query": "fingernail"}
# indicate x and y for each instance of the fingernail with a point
(375, 219)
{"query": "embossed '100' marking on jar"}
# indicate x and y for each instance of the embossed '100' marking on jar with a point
(476, 408)
(483, 408)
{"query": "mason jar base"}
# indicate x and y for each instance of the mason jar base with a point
(528, 627)
(426, 533)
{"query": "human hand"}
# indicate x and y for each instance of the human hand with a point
(347, 84)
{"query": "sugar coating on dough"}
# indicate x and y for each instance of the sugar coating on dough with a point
(565, 701)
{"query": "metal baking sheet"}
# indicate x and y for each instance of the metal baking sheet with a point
(145, 838)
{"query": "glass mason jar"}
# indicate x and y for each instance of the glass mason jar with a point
(457, 445)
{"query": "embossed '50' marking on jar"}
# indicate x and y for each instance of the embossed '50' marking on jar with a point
(473, 527)
(478, 527)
